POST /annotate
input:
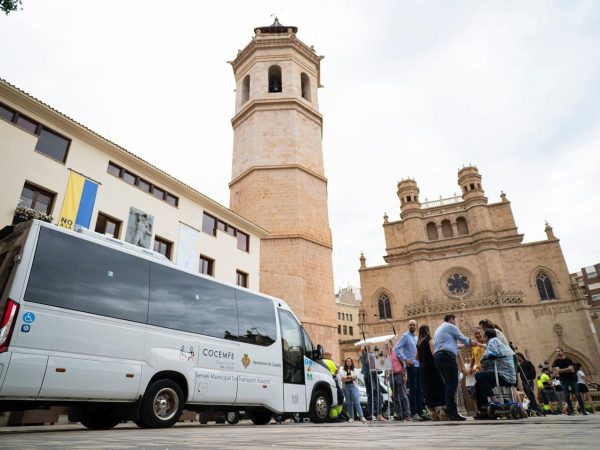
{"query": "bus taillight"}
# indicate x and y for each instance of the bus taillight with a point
(7, 323)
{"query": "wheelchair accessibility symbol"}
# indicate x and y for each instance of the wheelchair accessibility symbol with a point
(28, 317)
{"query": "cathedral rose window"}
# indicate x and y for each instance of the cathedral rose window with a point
(458, 284)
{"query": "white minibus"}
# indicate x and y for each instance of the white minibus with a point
(117, 333)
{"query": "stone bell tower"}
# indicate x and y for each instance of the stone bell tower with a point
(278, 180)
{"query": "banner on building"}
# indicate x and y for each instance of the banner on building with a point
(187, 253)
(79, 202)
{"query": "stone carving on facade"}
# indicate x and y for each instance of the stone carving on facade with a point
(484, 302)
(139, 228)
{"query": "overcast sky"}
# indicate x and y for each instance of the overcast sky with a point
(412, 88)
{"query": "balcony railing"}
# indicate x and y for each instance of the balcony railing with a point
(442, 202)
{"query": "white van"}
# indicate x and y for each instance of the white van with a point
(118, 333)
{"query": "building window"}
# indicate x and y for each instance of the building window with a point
(544, 286)
(246, 89)
(351, 331)
(339, 316)
(432, 232)
(339, 329)
(275, 79)
(591, 272)
(458, 284)
(163, 246)
(243, 241)
(36, 198)
(207, 265)
(144, 185)
(49, 142)
(6, 112)
(385, 310)
(26, 123)
(447, 229)
(461, 225)
(305, 86)
(108, 226)
(241, 278)
(350, 318)
(596, 297)
(53, 145)
(345, 329)
(209, 224)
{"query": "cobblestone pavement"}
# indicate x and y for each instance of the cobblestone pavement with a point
(575, 432)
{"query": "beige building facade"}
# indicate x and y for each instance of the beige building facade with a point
(464, 255)
(278, 176)
(40, 148)
(348, 304)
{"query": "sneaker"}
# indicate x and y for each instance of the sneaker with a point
(363, 420)
(585, 413)
(417, 418)
(425, 417)
(456, 417)
(350, 420)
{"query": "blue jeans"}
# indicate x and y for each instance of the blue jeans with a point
(446, 364)
(352, 400)
(575, 388)
(415, 394)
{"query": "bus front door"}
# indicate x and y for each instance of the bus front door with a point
(294, 378)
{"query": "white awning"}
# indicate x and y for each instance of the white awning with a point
(375, 340)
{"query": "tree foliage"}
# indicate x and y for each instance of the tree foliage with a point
(9, 6)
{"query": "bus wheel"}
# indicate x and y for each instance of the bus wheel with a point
(99, 420)
(319, 408)
(232, 417)
(260, 416)
(162, 404)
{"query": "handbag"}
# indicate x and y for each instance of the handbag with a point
(397, 368)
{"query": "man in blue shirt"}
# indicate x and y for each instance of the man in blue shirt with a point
(445, 352)
(406, 350)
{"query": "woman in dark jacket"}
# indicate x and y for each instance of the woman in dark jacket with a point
(431, 380)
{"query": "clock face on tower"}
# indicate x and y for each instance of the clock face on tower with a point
(458, 284)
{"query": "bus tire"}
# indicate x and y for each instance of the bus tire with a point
(260, 416)
(161, 405)
(99, 420)
(232, 417)
(319, 407)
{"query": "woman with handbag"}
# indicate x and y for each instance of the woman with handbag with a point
(398, 382)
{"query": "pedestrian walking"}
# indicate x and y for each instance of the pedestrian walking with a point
(565, 368)
(582, 382)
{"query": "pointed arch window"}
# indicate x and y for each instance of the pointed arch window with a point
(432, 232)
(246, 89)
(275, 84)
(447, 229)
(385, 309)
(305, 86)
(545, 287)
(461, 226)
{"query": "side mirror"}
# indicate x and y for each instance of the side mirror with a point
(318, 353)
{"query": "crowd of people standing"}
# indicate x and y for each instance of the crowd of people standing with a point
(424, 371)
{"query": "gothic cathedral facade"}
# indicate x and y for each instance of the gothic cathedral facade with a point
(278, 179)
(465, 256)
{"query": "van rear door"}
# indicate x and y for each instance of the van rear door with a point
(23, 361)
